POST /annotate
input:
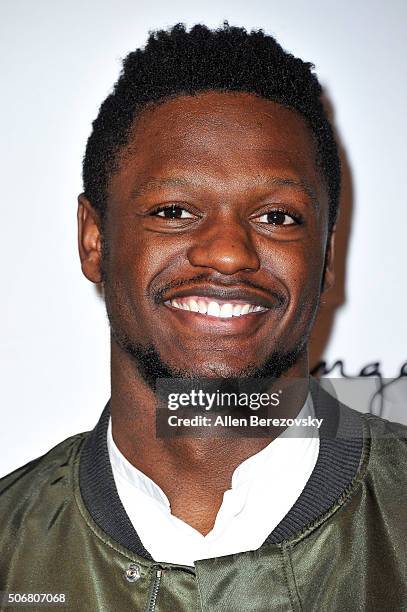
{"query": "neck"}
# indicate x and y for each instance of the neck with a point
(193, 472)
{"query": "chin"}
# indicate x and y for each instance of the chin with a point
(152, 365)
(217, 370)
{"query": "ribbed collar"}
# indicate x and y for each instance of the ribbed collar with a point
(341, 443)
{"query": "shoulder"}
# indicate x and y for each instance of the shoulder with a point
(387, 456)
(38, 508)
(385, 438)
(387, 435)
(382, 428)
(34, 485)
(379, 445)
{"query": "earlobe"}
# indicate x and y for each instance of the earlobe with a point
(89, 239)
(329, 273)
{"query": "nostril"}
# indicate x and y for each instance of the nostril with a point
(224, 256)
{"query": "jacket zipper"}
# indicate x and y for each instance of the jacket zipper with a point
(155, 585)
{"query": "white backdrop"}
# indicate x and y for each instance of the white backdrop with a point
(58, 62)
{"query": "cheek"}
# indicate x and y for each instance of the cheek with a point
(305, 290)
(140, 262)
(298, 264)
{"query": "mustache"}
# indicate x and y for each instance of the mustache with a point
(159, 293)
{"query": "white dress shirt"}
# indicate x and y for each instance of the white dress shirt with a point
(264, 488)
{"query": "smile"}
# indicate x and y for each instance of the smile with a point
(220, 309)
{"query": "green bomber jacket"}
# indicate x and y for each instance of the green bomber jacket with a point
(66, 542)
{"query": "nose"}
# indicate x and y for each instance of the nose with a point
(226, 248)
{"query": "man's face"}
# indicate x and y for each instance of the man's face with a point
(216, 235)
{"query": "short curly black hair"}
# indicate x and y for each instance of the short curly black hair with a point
(180, 62)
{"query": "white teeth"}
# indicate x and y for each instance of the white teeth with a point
(213, 309)
(236, 310)
(193, 305)
(226, 311)
(202, 307)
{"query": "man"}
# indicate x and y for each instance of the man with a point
(211, 186)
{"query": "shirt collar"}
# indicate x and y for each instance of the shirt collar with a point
(291, 446)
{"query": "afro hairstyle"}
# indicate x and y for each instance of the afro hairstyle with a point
(177, 62)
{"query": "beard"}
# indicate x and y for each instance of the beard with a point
(152, 368)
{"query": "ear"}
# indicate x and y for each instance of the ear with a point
(89, 240)
(329, 273)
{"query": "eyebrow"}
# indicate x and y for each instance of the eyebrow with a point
(301, 184)
(164, 182)
(180, 181)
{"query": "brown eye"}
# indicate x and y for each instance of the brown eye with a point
(277, 217)
(173, 212)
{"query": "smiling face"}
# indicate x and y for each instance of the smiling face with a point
(216, 228)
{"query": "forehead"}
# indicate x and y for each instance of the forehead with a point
(221, 138)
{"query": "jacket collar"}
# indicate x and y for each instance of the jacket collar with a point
(340, 452)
